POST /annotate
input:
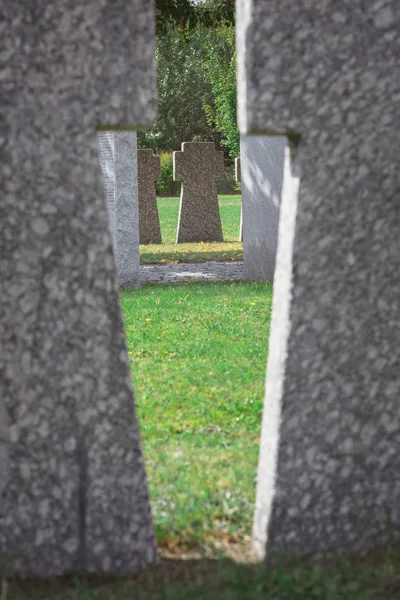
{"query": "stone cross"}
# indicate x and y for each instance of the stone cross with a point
(326, 75)
(118, 162)
(262, 177)
(73, 491)
(148, 172)
(238, 178)
(199, 167)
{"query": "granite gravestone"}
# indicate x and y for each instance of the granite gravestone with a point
(325, 74)
(238, 178)
(73, 486)
(199, 167)
(262, 175)
(148, 172)
(119, 166)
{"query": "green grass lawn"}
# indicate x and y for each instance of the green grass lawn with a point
(169, 252)
(198, 355)
(373, 578)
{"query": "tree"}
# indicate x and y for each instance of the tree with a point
(186, 14)
(183, 87)
(196, 88)
(176, 13)
(221, 69)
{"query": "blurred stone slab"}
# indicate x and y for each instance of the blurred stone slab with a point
(262, 161)
(73, 486)
(4, 435)
(149, 171)
(119, 166)
(238, 177)
(199, 167)
(326, 74)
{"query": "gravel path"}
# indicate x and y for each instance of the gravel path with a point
(209, 271)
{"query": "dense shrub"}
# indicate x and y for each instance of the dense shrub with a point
(196, 88)
(221, 71)
(166, 186)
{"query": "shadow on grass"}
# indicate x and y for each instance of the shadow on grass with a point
(376, 576)
(191, 253)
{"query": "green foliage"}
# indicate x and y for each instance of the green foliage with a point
(183, 85)
(221, 69)
(166, 186)
(214, 13)
(186, 14)
(196, 89)
(177, 13)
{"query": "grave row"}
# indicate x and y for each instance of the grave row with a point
(73, 490)
(198, 166)
(129, 176)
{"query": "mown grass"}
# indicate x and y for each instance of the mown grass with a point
(169, 252)
(373, 578)
(198, 355)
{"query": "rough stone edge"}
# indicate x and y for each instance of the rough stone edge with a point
(127, 236)
(4, 441)
(278, 342)
(243, 18)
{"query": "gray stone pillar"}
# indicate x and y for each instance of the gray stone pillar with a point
(262, 160)
(326, 75)
(199, 167)
(119, 166)
(238, 177)
(73, 491)
(4, 437)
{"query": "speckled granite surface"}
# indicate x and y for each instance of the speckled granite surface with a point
(262, 160)
(148, 172)
(119, 166)
(72, 480)
(107, 165)
(327, 70)
(199, 167)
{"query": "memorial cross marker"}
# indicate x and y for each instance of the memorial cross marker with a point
(72, 480)
(262, 160)
(326, 75)
(118, 161)
(148, 172)
(199, 167)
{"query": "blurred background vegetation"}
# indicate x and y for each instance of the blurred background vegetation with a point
(196, 63)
